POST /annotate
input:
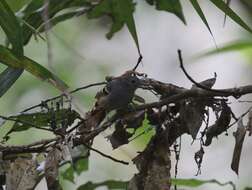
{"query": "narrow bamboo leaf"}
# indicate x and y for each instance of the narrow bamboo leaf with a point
(197, 182)
(17, 5)
(126, 8)
(121, 12)
(13, 31)
(11, 27)
(8, 78)
(232, 46)
(225, 16)
(34, 11)
(9, 59)
(201, 14)
(229, 12)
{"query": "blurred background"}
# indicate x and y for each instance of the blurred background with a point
(81, 55)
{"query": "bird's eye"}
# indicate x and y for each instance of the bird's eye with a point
(133, 81)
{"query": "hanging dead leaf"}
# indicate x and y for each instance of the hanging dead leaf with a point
(192, 115)
(221, 124)
(22, 174)
(120, 136)
(51, 168)
(239, 138)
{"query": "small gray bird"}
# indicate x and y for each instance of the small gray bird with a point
(119, 92)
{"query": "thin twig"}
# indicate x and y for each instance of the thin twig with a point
(59, 96)
(241, 116)
(192, 80)
(36, 32)
(105, 155)
(138, 62)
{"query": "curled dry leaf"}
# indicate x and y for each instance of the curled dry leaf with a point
(239, 138)
(22, 174)
(120, 136)
(221, 125)
(207, 83)
(51, 168)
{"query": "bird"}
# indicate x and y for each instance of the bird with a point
(118, 92)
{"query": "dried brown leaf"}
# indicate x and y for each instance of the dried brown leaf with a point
(221, 124)
(192, 115)
(120, 136)
(239, 138)
(22, 174)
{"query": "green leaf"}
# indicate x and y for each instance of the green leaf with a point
(68, 174)
(229, 12)
(13, 31)
(17, 5)
(7, 78)
(34, 11)
(110, 184)
(43, 119)
(121, 12)
(172, 6)
(233, 46)
(11, 27)
(201, 14)
(81, 165)
(9, 59)
(57, 19)
(197, 182)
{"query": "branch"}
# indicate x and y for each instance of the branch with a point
(105, 155)
(35, 147)
(59, 96)
(197, 93)
(192, 80)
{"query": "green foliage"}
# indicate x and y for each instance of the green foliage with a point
(68, 174)
(12, 29)
(81, 165)
(201, 14)
(121, 12)
(111, 184)
(232, 46)
(26, 121)
(173, 6)
(197, 182)
(229, 12)
(77, 167)
(17, 5)
(33, 13)
(21, 62)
